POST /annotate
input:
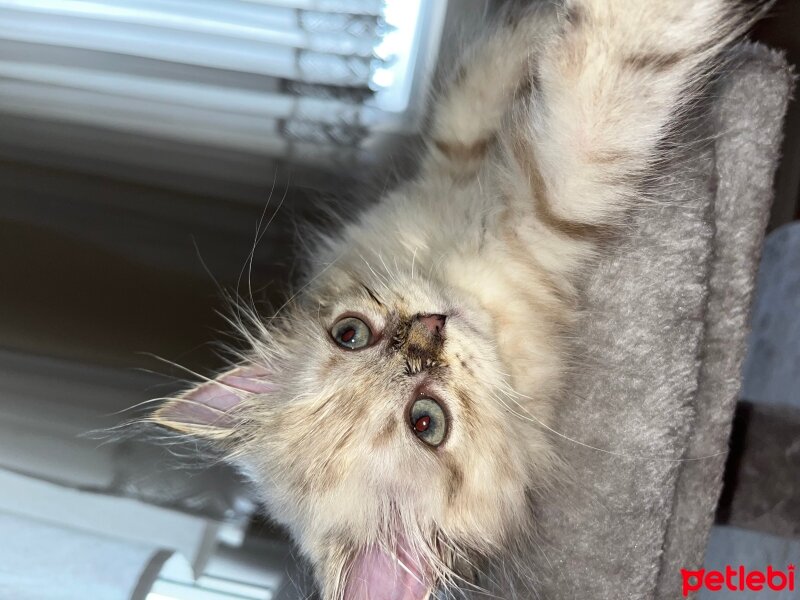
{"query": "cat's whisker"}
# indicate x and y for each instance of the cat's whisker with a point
(180, 367)
(205, 266)
(302, 288)
(386, 269)
(455, 580)
(258, 239)
(138, 405)
(382, 279)
(256, 236)
(526, 415)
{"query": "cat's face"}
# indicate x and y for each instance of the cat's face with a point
(374, 420)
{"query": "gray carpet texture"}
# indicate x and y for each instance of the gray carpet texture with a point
(659, 358)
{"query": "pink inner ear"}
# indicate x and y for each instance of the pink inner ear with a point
(211, 403)
(378, 574)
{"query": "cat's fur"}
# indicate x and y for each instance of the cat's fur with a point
(536, 153)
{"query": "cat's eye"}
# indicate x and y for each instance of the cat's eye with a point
(428, 421)
(351, 333)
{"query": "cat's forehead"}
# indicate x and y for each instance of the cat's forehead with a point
(381, 301)
(357, 300)
(379, 313)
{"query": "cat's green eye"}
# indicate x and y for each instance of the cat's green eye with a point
(428, 421)
(351, 333)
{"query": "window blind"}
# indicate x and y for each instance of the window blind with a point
(314, 82)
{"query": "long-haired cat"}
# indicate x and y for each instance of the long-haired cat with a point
(393, 415)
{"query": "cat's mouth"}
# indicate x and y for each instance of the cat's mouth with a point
(379, 573)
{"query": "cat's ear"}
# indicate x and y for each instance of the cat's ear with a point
(210, 409)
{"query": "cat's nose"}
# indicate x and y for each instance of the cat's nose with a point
(433, 323)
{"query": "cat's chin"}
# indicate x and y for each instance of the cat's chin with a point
(387, 574)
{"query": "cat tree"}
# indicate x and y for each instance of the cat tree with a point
(660, 355)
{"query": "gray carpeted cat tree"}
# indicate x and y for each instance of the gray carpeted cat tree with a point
(659, 359)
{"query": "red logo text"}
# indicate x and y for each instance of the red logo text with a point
(738, 580)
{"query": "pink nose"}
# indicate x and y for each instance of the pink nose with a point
(434, 323)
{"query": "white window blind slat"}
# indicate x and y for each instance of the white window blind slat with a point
(186, 47)
(257, 135)
(179, 17)
(241, 12)
(363, 7)
(113, 88)
(307, 142)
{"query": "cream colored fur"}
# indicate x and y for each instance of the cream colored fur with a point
(537, 151)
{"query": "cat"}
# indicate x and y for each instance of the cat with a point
(394, 415)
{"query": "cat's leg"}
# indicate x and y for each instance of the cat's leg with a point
(605, 92)
(491, 73)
